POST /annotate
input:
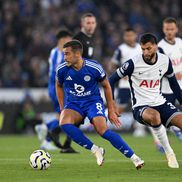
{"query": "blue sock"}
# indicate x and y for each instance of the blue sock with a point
(48, 138)
(77, 135)
(52, 124)
(118, 143)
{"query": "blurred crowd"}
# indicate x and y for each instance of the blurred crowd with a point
(28, 27)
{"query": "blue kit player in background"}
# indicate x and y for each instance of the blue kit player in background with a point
(150, 108)
(56, 57)
(79, 78)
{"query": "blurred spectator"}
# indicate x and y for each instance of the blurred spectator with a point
(26, 118)
(27, 30)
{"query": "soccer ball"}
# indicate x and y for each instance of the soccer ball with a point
(40, 159)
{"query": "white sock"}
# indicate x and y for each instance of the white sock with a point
(94, 148)
(133, 157)
(156, 140)
(161, 134)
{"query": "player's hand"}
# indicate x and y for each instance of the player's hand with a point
(116, 110)
(113, 118)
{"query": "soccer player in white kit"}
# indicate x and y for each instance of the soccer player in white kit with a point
(172, 47)
(150, 108)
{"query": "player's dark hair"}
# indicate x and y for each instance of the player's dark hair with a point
(63, 33)
(148, 37)
(76, 45)
(87, 15)
(170, 20)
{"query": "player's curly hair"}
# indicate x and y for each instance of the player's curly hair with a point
(148, 37)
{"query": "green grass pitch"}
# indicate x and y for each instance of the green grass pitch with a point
(82, 167)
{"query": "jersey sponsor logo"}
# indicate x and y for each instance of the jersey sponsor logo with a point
(87, 78)
(69, 78)
(80, 91)
(79, 88)
(149, 84)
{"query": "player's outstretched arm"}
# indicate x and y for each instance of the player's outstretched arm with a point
(112, 113)
(60, 95)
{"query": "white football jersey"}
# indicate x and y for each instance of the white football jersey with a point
(174, 51)
(145, 79)
(122, 54)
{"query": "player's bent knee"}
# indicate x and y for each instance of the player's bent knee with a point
(62, 122)
(152, 116)
(155, 119)
(100, 127)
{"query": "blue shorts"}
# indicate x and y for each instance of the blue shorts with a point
(124, 96)
(88, 109)
(167, 112)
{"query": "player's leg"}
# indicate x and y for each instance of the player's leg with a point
(177, 120)
(54, 129)
(101, 127)
(177, 131)
(67, 144)
(68, 119)
(152, 117)
(96, 113)
(157, 143)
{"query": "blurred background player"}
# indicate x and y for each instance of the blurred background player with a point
(88, 26)
(172, 47)
(56, 57)
(128, 49)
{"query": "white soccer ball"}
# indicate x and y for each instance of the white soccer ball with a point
(40, 159)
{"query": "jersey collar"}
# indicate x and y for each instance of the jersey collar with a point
(156, 58)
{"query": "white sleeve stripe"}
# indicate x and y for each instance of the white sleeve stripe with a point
(60, 66)
(95, 64)
(100, 71)
(170, 75)
(119, 73)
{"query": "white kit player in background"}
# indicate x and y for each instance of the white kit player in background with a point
(128, 49)
(172, 47)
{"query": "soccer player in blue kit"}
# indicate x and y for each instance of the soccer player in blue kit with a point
(56, 58)
(79, 78)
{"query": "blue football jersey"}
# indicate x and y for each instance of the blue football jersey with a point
(56, 57)
(81, 85)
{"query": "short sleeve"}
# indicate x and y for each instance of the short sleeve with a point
(101, 74)
(60, 73)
